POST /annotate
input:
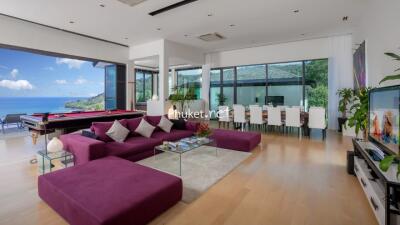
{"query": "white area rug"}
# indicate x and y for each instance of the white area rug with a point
(201, 168)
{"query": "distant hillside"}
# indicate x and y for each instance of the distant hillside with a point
(92, 103)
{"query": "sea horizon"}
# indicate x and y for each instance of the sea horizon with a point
(35, 104)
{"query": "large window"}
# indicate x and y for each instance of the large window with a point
(251, 85)
(190, 79)
(144, 86)
(316, 74)
(285, 84)
(301, 83)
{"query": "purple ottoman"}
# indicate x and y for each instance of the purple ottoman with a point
(109, 191)
(236, 140)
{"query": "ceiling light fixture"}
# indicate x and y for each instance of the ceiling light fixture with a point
(158, 29)
(126, 38)
(210, 14)
(345, 18)
(71, 22)
(296, 11)
(186, 35)
(102, 5)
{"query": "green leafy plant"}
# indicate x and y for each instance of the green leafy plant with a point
(359, 111)
(345, 95)
(387, 162)
(221, 99)
(181, 96)
(394, 76)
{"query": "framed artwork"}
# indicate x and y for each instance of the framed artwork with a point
(359, 69)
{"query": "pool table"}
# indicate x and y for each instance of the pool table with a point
(69, 122)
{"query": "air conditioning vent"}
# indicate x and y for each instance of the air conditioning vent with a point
(211, 37)
(132, 2)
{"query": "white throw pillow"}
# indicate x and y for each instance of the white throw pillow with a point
(165, 124)
(117, 132)
(145, 129)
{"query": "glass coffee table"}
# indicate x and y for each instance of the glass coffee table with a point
(185, 145)
(46, 162)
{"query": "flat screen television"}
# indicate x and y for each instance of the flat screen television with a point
(383, 123)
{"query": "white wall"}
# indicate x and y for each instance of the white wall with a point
(292, 51)
(381, 30)
(28, 35)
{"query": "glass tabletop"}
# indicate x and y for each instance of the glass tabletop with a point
(54, 155)
(185, 145)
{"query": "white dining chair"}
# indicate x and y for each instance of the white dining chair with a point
(265, 107)
(256, 117)
(317, 119)
(292, 119)
(300, 107)
(239, 116)
(274, 117)
(282, 107)
(223, 116)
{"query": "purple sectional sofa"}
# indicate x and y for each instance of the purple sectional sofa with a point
(137, 147)
(109, 191)
(134, 148)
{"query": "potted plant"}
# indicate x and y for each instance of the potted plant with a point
(395, 76)
(178, 97)
(359, 112)
(345, 97)
(221, 99)
(203, 131)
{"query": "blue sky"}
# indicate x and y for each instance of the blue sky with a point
(24, 74)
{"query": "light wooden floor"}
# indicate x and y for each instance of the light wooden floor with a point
(286, 181)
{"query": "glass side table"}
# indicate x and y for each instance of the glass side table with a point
(45, 160)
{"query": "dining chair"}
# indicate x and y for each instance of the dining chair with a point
(292, 119)
(300, 107)
(282, 107)
(265, 107)
(256, 116)
(317, 119)
(239, 116)
(274, 117)
(223, 116)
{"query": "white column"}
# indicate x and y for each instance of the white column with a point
(205, 88)
(155, 84)
(130, 85)
(173, 78)
(163, 81)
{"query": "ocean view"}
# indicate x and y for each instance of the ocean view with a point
(31, 105)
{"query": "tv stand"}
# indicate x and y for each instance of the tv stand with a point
(381, 188)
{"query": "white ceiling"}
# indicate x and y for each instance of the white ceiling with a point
(256, 21)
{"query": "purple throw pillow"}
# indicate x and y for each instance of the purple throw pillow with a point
(132, 124)
(154, 121)
(101, 128)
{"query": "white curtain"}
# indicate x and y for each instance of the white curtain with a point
(340, 74)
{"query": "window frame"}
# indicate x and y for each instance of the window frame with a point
(221, 84)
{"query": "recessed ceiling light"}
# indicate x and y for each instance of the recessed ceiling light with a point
(296, 10)
(345, 18)
(210, 14)
(232, 25)
(159, 29)
(102, 5)
(71, 22)
(303, 34)
(186, 35)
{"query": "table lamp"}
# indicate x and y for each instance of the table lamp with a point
(55, 145)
